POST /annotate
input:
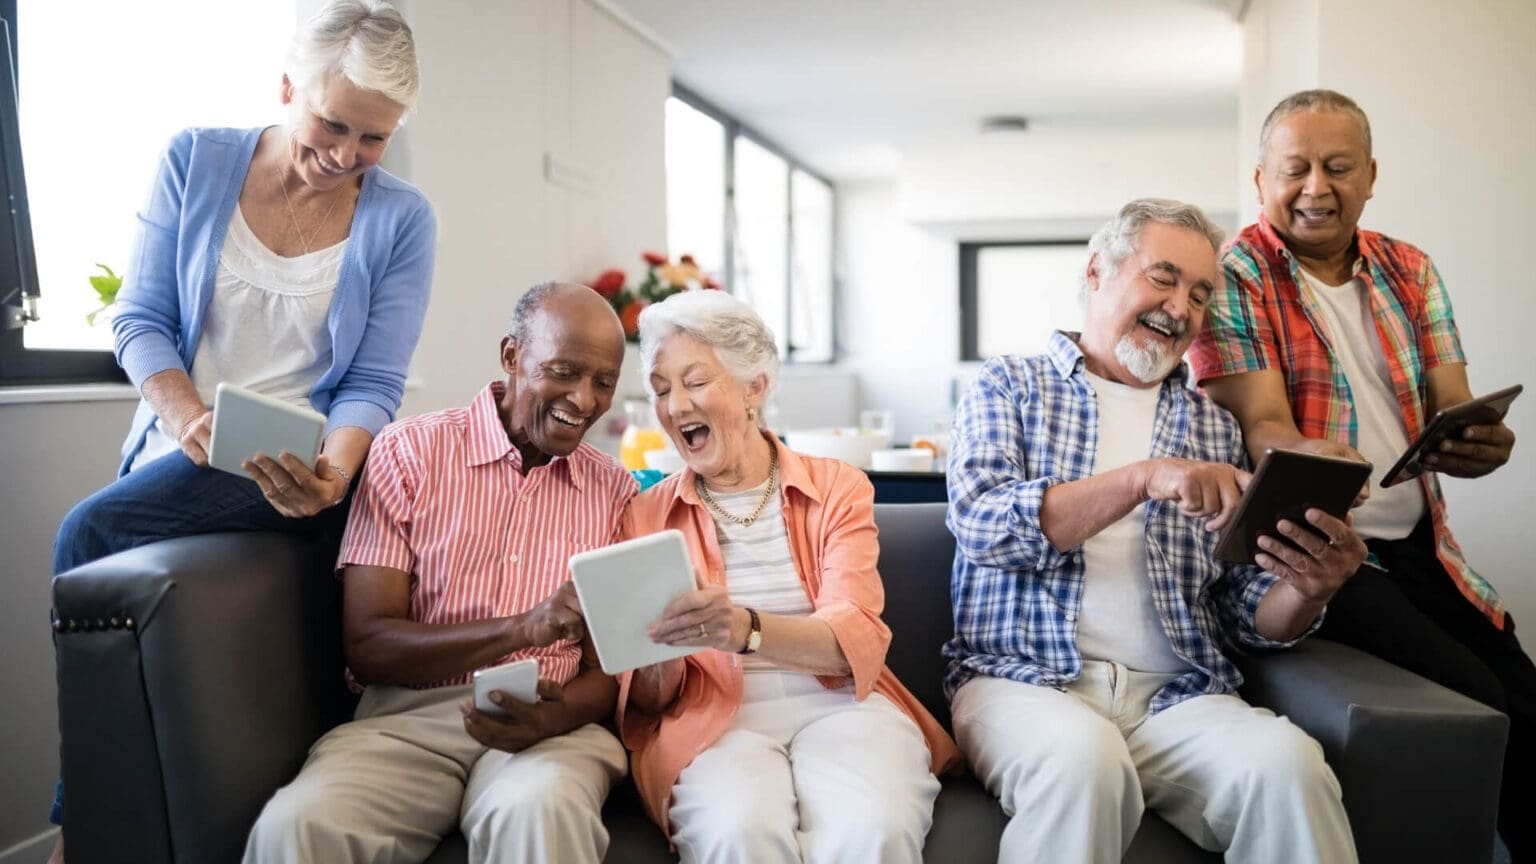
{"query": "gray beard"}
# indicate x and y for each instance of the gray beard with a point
(1148, 364)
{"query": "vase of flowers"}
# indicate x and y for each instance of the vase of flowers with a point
(663, 278)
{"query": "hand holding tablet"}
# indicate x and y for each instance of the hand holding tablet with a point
(623, 589)
(247, 423)
(1287, 484)
(1450, 424)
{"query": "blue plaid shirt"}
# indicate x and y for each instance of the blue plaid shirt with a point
(1026, 424)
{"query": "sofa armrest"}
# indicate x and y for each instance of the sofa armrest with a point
(1419, 764)
(193, 676)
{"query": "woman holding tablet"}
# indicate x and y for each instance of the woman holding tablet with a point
(283, 260)
(791, 740)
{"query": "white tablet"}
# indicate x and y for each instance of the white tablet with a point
(623, 588)
(246, 423)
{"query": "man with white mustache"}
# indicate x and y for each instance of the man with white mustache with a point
(1087, 676)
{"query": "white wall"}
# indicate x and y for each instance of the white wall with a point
(899, 241)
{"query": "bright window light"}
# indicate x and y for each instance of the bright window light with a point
(102, 88)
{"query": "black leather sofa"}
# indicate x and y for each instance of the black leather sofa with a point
(195, 673)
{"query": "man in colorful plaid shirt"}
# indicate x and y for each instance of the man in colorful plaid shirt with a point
(1088, 677)
(1327, 337)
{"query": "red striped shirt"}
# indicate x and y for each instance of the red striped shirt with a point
(444, 498)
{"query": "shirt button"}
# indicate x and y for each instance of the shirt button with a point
(512, 559)
(1071, 616)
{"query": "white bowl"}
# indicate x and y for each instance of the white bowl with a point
(847, 444)
(908, 459)
(664, 459)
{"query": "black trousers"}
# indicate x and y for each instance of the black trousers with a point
(1413, 616)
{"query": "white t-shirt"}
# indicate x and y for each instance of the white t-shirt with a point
(1118, 621)
(265, 328)
(1389, 514)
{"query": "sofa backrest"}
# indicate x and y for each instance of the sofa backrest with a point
(917, 553)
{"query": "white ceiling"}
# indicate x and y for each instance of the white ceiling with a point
(849, 85)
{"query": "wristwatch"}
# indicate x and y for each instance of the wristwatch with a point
(754, 635)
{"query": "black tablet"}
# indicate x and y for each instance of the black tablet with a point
(1482, 411)
(1287, 483)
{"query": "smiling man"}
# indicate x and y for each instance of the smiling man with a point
(1087, 675)
(1331, 338)
(455, 559)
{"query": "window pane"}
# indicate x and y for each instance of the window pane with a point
(1025, 292)
(98, 105)
(696, 187)
(762, 234)
(811, 279)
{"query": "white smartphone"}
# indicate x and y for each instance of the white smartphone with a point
(518, 679)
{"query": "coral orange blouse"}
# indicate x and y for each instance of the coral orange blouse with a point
(829, 517)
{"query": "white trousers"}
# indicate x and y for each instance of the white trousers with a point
(1075, 769)
(807, 774)
(387, 786)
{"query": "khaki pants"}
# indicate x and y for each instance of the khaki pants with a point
(1075, 769)
(387, 786)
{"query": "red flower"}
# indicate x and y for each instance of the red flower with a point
(711, 283)
(687, 259)
(655, 259)
(609, 283)
(629, 316)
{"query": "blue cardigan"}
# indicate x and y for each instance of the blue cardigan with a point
(375, 316)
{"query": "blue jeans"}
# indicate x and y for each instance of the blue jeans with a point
(171, 497)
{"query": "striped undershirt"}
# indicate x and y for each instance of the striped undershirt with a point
(759, 570)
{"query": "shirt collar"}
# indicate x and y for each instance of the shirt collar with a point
(793, 474)
(488, 441)
(1067, 356)
(1365, 246)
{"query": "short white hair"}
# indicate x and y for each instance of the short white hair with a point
(743, 342)
(1120, 236)
(365, 41)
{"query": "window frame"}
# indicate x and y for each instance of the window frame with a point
(20, 365)
(734, 128)
(970, 300)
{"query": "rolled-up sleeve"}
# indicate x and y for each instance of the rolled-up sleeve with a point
(994, 506)
(1238, 594)
(146, 327)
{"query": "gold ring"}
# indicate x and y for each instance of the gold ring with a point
(702, 632)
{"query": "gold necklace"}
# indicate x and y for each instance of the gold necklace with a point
(293, 217)
(745, 522)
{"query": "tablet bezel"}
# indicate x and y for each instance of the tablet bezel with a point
(626, 586)
(1447, 422)
(246, 423)
(1332, 484)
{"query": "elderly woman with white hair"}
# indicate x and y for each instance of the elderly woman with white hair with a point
(790, 740)
(281, 259)
(284, 260)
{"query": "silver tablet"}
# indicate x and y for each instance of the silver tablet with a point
(246, 423)
(623, 588)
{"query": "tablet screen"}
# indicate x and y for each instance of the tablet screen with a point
(1286, 485)
(626, 586)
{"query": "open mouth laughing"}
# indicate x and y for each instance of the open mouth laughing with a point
(1163, 324)
(1311, 216)
(327, 166)
(695, 436)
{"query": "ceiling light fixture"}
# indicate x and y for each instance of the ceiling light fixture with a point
(1005, 123)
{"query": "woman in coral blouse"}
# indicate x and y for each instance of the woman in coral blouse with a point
(790, 740)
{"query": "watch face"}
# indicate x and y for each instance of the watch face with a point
(754, 639)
